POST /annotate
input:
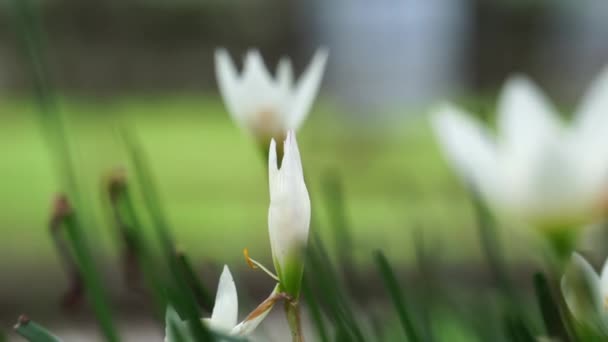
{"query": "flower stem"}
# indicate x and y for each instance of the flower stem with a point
(292, 311)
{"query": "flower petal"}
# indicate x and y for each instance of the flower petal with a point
(306, 89)
(604, 279)
(289, 210)
(526, 119)
(284, 77)
(581, 289)
(229, 84)
(273, 169)
(592, 113)
(467, 145)
(254, 319)
(225, 311)
(590, 132)
(255, 73)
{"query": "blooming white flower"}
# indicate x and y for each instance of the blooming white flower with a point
(224, 316)
(586, 292)
(266, 106)
(288, 214)
(537, 168)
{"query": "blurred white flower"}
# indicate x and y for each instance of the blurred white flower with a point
(288, 214)
(265, 106)
(224, 316)
(586, 292)
(537, 168)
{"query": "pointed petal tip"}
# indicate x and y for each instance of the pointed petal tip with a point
(321, 55)
(291, 135)
(221, 52)
(446, 112)
(226, 270)
(272, 160)
(253, 57)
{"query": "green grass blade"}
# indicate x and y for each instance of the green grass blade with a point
(91, 278)
(200, 292)
(516, 330)
(332, 291)
(179, 292)
(315, 310)
(34, 332)
(491, 246)
(429, 293)
(28, 25)
(334, 199)
(390, 281)
(125, 217)
(550, 309)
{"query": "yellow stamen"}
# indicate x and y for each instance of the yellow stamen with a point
(248, 259)
(255, 264)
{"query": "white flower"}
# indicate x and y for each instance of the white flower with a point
(586, 292)
(537, 168)
(266, 106)
(288, 214)
(224, 316)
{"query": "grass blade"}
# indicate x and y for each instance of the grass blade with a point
(34, 332)
(332, 291)
(390, 281)
(91, 278)
(200, 292)
(126, 219)
(315, 310)
(334, 199)
(491, 246)
(550, 309)
(179, 292)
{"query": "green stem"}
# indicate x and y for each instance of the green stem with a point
(562, 243)
(292, 311)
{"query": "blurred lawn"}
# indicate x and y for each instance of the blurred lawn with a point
(213, 182)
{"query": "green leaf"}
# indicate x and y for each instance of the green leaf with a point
(34, 332)
(201, 293)
(179, 292)
(550, 309)
(331, 292)
(390, 281)
(315, 310)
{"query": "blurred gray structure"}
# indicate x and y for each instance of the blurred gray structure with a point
(579, 44)
(384, 54)
(390, 54)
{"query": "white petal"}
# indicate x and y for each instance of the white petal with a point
(592, 113)
(604, 279)
(225, 310)
(229, 84)
(526, 119)
(467, 145)
(248, 326)
(590, 133)
(580, 287)
(306, 89)
(263, 102)
(255, 73)
(273, 169)
(289, 211)
(285, 75)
